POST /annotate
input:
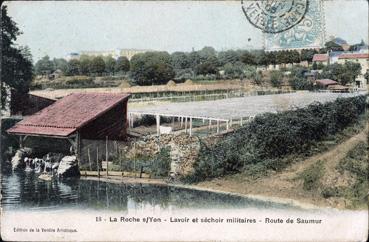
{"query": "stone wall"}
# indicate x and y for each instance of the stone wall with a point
(184, 150)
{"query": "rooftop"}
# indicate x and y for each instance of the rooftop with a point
(354, 56)
(68, 114)
(320, 57)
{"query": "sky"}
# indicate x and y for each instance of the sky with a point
(56, 28)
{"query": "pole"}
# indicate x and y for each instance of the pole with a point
(89, 158)
(190, 126)
(97, 161)
(106, 156)
(157, 124)
(241, 122)
(217, 126)
(186, 125)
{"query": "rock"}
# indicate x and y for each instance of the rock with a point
(68, 167)
(18, 159)
(45, 177)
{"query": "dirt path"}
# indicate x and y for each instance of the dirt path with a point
(285, 185)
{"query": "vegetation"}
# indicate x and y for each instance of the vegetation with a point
(16, 64)
(356, 165)
(311, 176)
(269, 138)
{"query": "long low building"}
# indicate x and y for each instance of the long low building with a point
(77, 118)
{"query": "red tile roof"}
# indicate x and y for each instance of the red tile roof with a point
(326, 82)
(320, 57)
(68, 114)
(354, 56)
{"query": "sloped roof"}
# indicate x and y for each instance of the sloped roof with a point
(320, 57)
(354, 56)
(326, 82)
(68, 114)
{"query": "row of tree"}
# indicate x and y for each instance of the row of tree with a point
(85, 65)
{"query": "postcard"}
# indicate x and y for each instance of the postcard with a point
(184, 120)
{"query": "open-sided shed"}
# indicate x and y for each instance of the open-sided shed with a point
(94, 116)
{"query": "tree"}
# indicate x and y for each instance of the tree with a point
(16, 63)
(44, 66)
(179, 60)
(194, 59)
(308, 54)
(74, 67)
(235, 70)
(248, 58)
(342, 73)
(276, 78)
(332, 46)
(109, 65)
(60, 64)
(85, 63)
(207, 53)
(122, 64)
(151, 68)
(97, 66)
(229, 56)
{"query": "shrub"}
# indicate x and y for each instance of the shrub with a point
(311, 176)
(273, 136)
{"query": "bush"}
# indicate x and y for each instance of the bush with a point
(274, 136)
(311, 176)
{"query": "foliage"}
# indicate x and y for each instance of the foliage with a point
(311, 176)
(122, 64)
(74, 67)
(273, 136)
(343, 73)
(180, 61)
(151, 68)
(16, 64)
(301, 83)
(308, 54)
(44, 66)
(109, 65)
(161, 163)
(97, 66)
(235, 70)
(276, 78)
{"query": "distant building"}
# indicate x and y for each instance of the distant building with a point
(129, 53)
(321, 58)
(363, 60)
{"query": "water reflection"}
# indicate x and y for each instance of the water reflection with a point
(25, 190)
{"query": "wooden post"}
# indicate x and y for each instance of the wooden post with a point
(78, 148)
(241, 122)
(20, 141)
(158, 124)
(181, 121)
(106, 156)
(97, 161)
(218, 126)
(89, 158)
(209, 127)
(230, 122)
(190, 126)
(186, 125)
(227, 125)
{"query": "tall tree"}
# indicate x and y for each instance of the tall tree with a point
(180, 60)
(151, 68)
(97, 66)
(74, 67)
(16, 63)
(110, 65)
(44, 66)
(122, 64)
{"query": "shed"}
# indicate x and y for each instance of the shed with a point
(91, 116)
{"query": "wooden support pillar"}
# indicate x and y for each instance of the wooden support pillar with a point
(107, 156)
(241, 122)
(78, 148)
(230, 122)
(97, 161)
(186, 125)
(158, 124)
(20, 141)
(218, 127)
(181, 120)
(227, 125)
(190, 126)
(209, 127)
